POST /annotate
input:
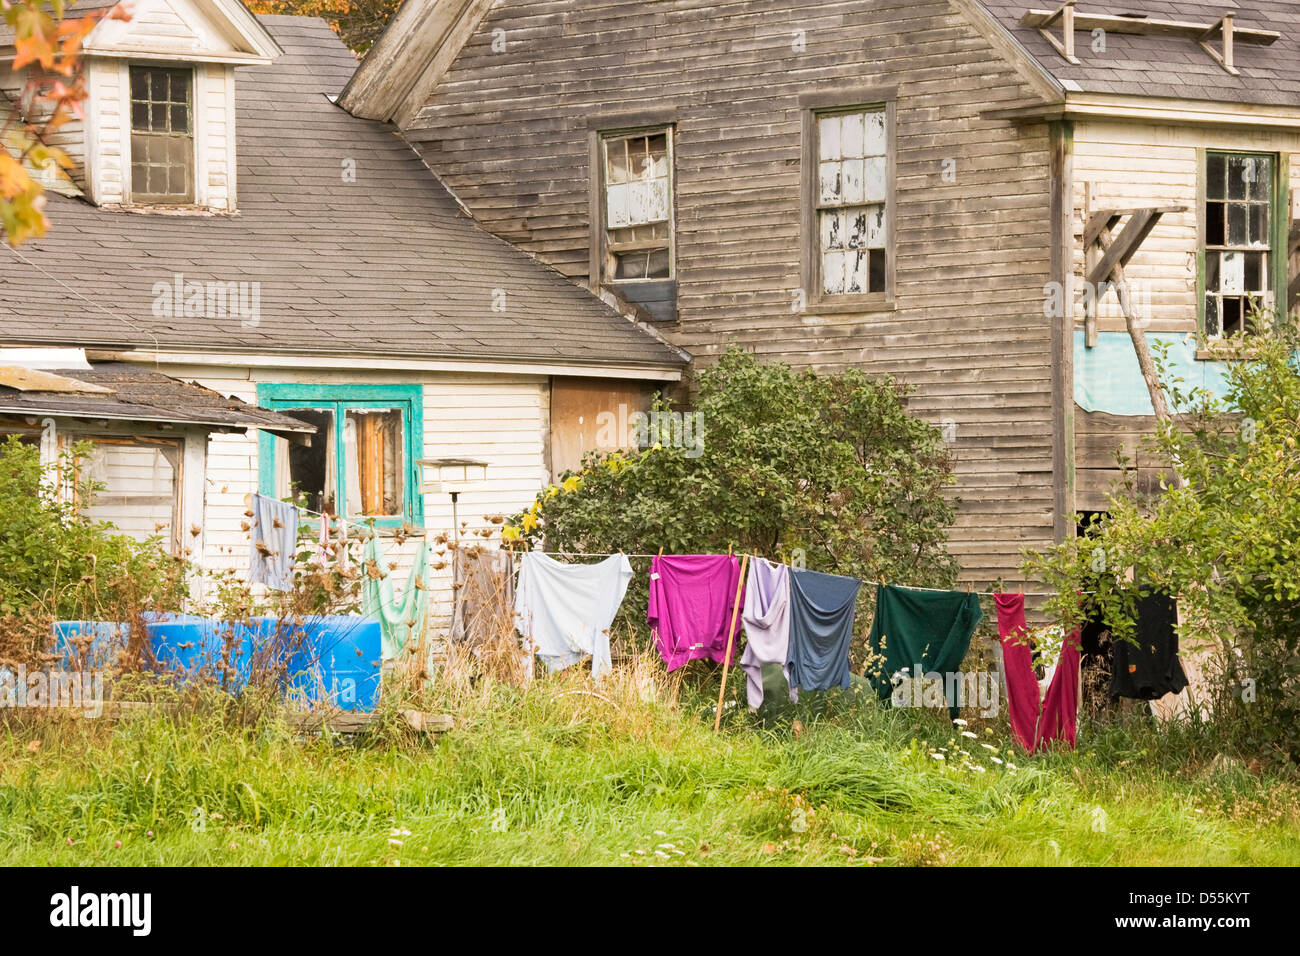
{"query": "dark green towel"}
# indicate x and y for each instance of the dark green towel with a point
(932, 628)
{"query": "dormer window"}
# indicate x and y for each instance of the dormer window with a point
(162, 135)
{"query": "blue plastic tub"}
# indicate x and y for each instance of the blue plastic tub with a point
(339, 663)
(334, 659)
(107, 638)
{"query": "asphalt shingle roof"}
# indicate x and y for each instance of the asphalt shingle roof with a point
(143, 395)
(1172, 66)
(387, 264)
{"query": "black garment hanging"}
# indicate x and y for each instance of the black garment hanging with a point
(1151, 669)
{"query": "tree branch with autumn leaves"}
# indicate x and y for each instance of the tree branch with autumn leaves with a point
(48, 64)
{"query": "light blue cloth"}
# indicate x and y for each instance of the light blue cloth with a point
(400, 621)
(564, 611)
(821, 628)
(275, 528)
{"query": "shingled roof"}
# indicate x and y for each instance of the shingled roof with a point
(1170, 66)
(387, 265)
(120, 391)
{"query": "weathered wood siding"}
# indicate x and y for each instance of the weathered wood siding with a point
(509, 133)
(1131, 165)
(107, 148)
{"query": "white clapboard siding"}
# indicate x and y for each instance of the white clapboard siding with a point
(499, 420)
(1129, 165)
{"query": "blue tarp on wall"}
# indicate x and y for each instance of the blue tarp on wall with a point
(1107, 377)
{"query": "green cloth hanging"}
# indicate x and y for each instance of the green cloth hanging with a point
(398, 621)
(930, 628)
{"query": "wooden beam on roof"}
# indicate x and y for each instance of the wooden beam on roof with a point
(1147, 26)
(1065, 45)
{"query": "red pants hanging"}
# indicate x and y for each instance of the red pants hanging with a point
(1035, 725)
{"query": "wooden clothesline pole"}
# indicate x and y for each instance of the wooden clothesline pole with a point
(731, 637)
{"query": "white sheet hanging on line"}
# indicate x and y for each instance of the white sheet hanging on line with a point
(564, 611)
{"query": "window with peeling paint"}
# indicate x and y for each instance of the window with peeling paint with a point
(1238, 222)
(638, 205)
(852, 181)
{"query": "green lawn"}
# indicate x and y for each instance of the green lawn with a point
(567, 774)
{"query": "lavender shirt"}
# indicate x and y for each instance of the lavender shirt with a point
(767, 626)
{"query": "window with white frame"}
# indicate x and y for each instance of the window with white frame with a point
(162, 135)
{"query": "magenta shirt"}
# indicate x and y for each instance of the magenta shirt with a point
(692, 597)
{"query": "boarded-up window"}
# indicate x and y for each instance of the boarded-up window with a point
(136, 480)
(851, 200)
(1238, 218)
(162, 135)
(372, 441)
(638, 205)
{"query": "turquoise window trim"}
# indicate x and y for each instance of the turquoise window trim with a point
(410, 398)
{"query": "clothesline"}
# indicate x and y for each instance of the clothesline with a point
(414, 532)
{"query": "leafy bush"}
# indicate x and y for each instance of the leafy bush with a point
(54, 560)
(789, 461)
(1223, 535)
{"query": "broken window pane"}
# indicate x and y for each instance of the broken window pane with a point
(1237, 237)
(638, 207)
(137, 479)
(877, 271)
(851, 194)
(1231, 316)
(308, 470)
(1214, 224)
(1215, 176)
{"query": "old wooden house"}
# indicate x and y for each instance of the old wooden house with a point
(226, 223)
(933, 189)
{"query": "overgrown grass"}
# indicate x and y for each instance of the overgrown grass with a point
(629, 772)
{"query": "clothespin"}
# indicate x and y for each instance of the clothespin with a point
(969, 585)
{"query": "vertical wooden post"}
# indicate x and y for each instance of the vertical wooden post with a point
(1227, 42)
(731, 638)
(1068, 29)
